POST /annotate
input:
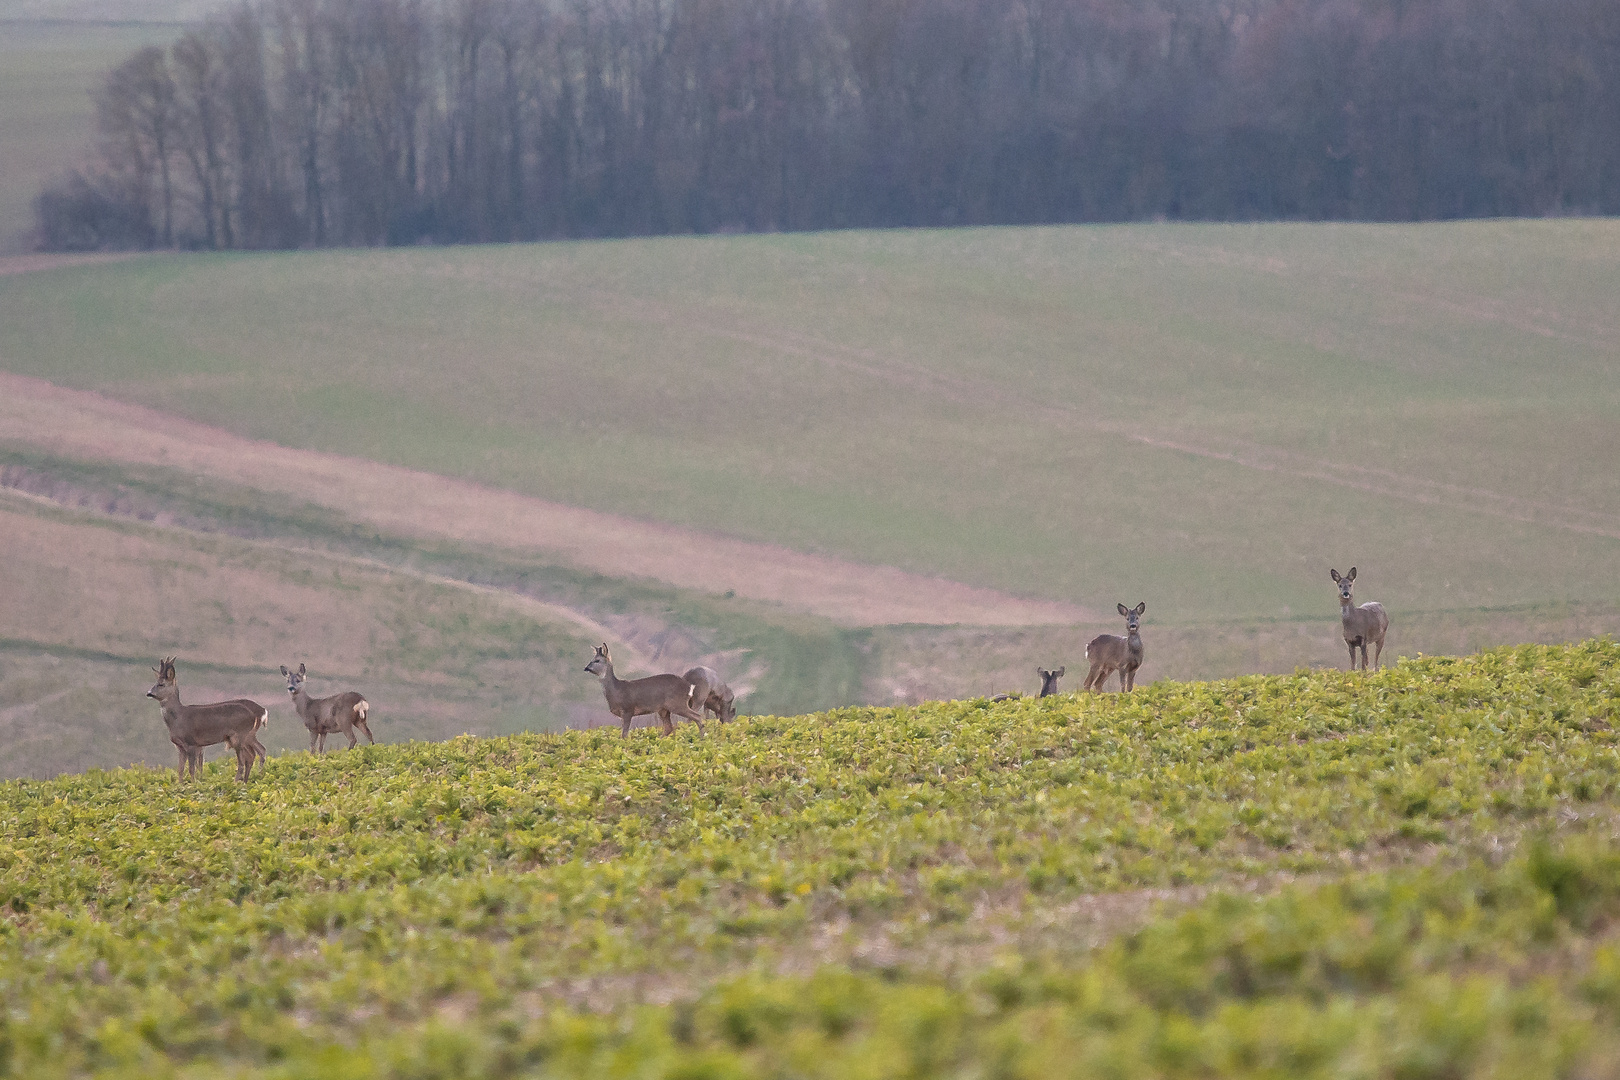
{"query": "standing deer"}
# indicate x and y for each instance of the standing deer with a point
(661, 694)
(1049, 680)
(328, 715)
(713, 693)
(193, 727)
(1363, 625)
(1109, 653)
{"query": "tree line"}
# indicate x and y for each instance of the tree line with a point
(290, 123)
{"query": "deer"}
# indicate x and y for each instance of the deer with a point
(325, 716)
(1049, 680)
(1109, 653)
(712, 691)
(1363, 625)
(665, 695)
(193, 727)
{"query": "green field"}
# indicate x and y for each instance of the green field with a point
(1405, 874)
(1204, 417)
(1434, 403)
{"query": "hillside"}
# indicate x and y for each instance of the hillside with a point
(855, 467)
(1409, 873)
(1203, 416)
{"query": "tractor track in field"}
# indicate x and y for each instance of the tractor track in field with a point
(88, 426)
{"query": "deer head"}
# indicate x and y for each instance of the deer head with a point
(167, 685)
(601, 661)
(1345, 583)
(295, 679)
(1049, 680)
(1133, 616)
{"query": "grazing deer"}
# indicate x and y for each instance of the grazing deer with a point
(193, 727)
(1109, 653)
(660, 694)
(328, 715)
(1363, 625)
(1049, 680)
(713, 693)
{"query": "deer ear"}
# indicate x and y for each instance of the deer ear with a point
(1059, 672)
(1141, 607)
(1352, 574)
(1122, 610)
(301, 669)
(1041, 672)
(1334, 574)
(284, 670)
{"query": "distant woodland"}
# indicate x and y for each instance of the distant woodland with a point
(300, 123)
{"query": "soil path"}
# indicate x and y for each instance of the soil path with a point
(88, 426)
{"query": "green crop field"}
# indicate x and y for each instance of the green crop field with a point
(1203, 417)
(1411, 873)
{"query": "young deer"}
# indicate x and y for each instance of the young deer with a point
(1109, 653)
(1049, 680)
(661, 694)
(711, 690)
(328, 715)
(193, 727)
(1363, 625)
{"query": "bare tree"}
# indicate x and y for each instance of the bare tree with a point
(137, 115)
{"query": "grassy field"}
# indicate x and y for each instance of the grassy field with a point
(1204, 417)
(1408, 874)
(107, 568)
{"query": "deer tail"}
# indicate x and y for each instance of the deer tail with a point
(1088, 652)
(691, 689)
(361, 707)
(264, 714)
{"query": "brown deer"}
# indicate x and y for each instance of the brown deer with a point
(1109, 653)
(328, 715)
(712, 691)
(1363, 625)
(627, 699)
(193, 727)
(1049, 680)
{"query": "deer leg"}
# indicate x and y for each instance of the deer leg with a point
(181, 768)
(1352, 654)
(694, 714)
(1378, 656)
(624, 732)
(353, 739)
(360, 722)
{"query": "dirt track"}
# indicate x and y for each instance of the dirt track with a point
(88, 426)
